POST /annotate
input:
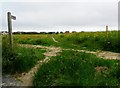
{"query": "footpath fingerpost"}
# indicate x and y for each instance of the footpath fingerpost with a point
(10, 17)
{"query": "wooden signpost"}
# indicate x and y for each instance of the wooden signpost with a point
(10, 30)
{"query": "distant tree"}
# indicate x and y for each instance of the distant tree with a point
(57, 32)
(51, 32)
(61, 32)
(73, 31)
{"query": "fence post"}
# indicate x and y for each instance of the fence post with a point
(106, 28)
(107, 32)
(9, 16)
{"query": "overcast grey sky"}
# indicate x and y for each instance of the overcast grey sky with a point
(43, 14)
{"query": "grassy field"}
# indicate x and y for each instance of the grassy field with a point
(85, 40)
(35, 39)
(92, 40)
(69, 68)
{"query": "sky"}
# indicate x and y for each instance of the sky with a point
(59, 15)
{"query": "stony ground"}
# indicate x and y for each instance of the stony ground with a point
(9, 80)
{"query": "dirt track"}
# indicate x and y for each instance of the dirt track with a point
(53, 51)
(26, 78)
(103, 54)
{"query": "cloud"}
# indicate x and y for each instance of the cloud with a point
(59, 0)
(39, 14)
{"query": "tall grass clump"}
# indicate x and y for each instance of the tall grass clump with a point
(24, 58)
(76, 69)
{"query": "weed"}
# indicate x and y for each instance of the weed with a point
(75, 69)
(24, 58)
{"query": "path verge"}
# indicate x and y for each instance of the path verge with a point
(27, 78)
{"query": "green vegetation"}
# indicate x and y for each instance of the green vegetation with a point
(90, 41)
(24, 58)
(84, 40)
(77, 69)
(69, 68)
(34, 39)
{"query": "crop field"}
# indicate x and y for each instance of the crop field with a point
(65, 59)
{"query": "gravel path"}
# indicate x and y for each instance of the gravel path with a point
(9, 80)
(103, 54)
(25, 79)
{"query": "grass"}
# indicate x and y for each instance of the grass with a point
(34, 39)
(85, 40)
(77, 69)
(70, 68)
(91, 41)
(24, 58)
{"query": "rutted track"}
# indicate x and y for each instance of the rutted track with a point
(27, 78)
(102, 54)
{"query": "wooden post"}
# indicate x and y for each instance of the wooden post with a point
(10, 29)
(106, 28)
(107, 32)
